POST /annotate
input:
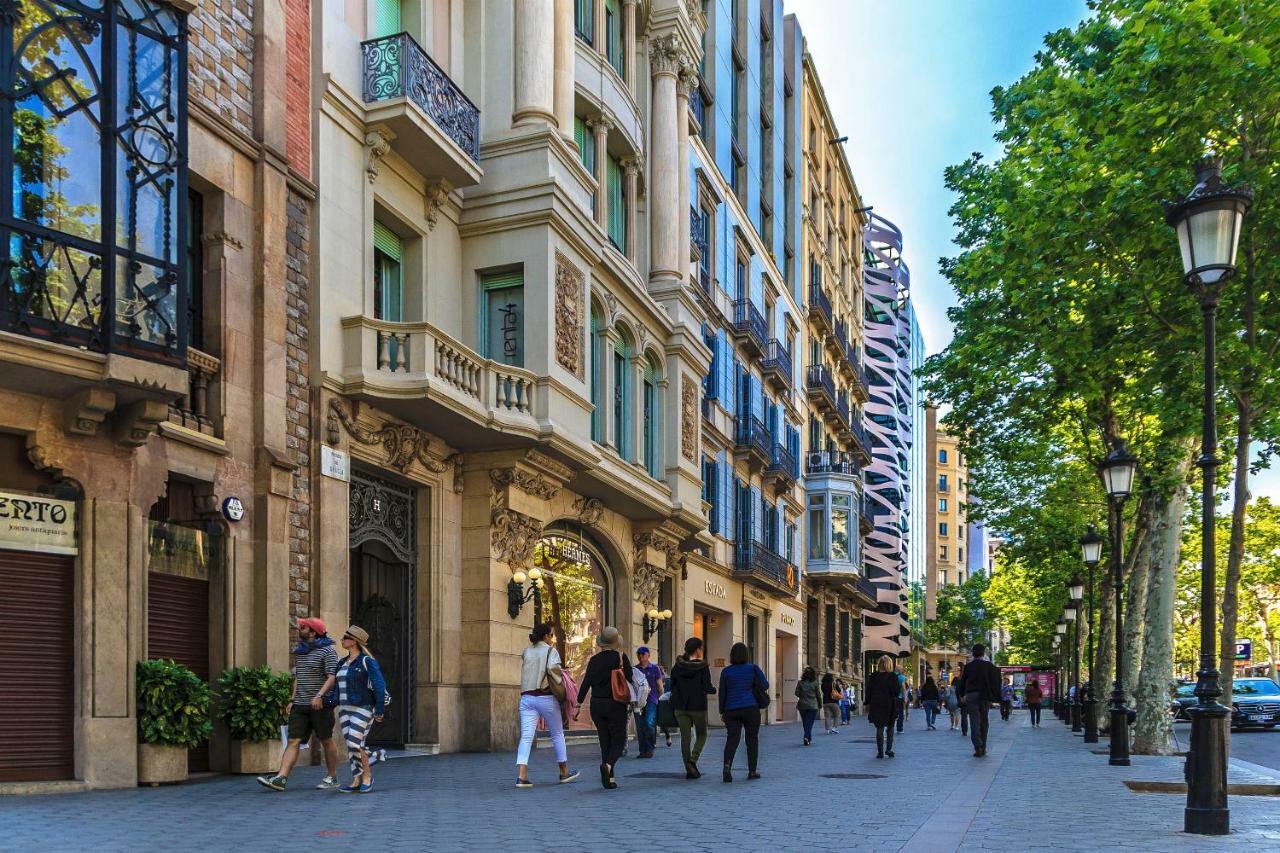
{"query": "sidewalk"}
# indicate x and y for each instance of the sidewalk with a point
(1037, 789)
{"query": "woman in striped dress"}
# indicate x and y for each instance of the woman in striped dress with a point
(362, 698)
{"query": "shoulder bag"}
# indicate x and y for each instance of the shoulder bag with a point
(758, 690)
(555, 685)
(618, 683)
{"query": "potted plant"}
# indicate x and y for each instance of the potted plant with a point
(173, 717)
(251, 702)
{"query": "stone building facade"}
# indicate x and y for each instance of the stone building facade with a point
(948, 557)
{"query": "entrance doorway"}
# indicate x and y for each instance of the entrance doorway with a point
(382, 563)
(785, 676)
(715, 628)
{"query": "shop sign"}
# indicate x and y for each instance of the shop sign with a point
(715, 589)
(1244, 650)
(37, 523)
(335, 463)
(233, 509)
(788, 619)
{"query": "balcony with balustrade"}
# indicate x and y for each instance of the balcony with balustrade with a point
(820, 305)
(756, 564)
(858, 439)
(753, 442)
(777, 366)
(783, 469)
(434, 126)
(750, 328)
(194, 410)
(866, 515)
(821, 389)
(859, 384)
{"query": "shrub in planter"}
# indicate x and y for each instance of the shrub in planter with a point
(251, 701)
(173, 716)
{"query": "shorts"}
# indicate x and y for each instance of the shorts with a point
(305, 721)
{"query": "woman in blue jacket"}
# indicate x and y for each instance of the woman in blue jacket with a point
(739, 683)
(362, 698)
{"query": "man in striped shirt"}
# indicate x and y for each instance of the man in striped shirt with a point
(314, 670)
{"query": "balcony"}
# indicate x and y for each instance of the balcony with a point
(697, 235)
(866, 517)
(402, 365)
(753, 442)
(749, 327)
(859, 385)
(783, 469)
(436, 127)
(192, 409)
(821, 389)
(831, 462)
(820, 308)
(857, 436)
(836, 341)
(756, 564)
(777, 366)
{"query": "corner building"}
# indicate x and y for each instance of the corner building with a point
(154, 378)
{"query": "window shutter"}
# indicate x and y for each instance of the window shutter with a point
(386, 18)
(388, 242)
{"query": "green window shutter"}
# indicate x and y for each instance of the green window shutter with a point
(497, 280)
(617, 204)
(386, 18)
(613, 34)
(388, 242)
(586, 143)
(584, 19)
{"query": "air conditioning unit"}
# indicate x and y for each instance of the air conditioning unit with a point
(816, 459)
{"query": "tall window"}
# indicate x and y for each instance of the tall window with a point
(597, 379)
(942, 504)
(817, 532)
(844, 634)
(386, 18)
(584, 19)
(942, 457)
(195, 269)
(831, 631)
(650, 396)
(617, 204)
(95, 243)
(942, 528)
(840, 527)
(613, 35)
(586, 149)
(504, 316)
(388, 274)
(711, 491)
(740, 278)
(622, 397)
(942, 483)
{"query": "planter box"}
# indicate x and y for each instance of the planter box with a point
(158, 763)
(256, 758)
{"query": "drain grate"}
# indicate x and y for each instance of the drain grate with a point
(653, 774)
(850, 776)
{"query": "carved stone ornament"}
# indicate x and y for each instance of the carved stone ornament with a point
(666, 55)
(513, 536)
(530, 483)
(590, 511)
(611, 304)
(437, 194)
(404, 444)
(377, 143)
(688, 418)
(687, 80)
(570, 316)
(646, 582)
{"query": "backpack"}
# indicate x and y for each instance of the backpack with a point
(639, 686)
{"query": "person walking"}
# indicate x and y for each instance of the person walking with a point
(964, 716)
(851, 700)
(980, 686)
(315, 670)
(740, 682)
(808, 701)
(610, 698)
(1006, 700)
(647, 703)
(1034, 696)
(830, 704)
(843, 692)
(902, 701)
(882, 699)
(953, 706)
(362, 699)
(690, 687)
(542, 691)
(929, 698)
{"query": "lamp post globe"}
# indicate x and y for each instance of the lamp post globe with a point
(1208, 222)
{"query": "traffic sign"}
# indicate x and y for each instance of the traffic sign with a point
(1244, 650)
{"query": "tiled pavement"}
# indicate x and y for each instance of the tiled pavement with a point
(1038, 788)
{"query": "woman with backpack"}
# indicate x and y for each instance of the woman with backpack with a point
(690, 687)
(608, 680)
(743, 692)
(808, 701)
(542, 690)
(362, 699)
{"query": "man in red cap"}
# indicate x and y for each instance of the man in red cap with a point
(314, 670)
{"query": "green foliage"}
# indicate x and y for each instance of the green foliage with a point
(962, 617)
(252, 702)
(173, 704)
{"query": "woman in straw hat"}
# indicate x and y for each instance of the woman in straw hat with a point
(608, 714)
(362, 698)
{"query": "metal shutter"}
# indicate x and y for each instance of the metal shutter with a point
(178, 630)
(37, 666)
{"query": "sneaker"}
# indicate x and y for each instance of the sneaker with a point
(523, 783)
(753, 775)
(366, 787)
(573, 774)
(328, 783)
(668, 740)
(348, 789)
(889, 752)
(275, 783)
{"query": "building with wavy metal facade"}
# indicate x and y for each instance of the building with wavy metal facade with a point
(889, 339)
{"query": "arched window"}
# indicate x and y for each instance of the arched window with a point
(650, 398)
(622, 395)
(597, 378)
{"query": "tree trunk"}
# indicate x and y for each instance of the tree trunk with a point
(1106, 641)
(1136, 565)
(1235, 551)
(1153, 732)
(1268, 638)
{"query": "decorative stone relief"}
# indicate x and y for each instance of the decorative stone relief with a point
(136, 422)
(377, 142)
(648, 577)
(687, 80)
(646, 582)
(688, 418)
(513, 536)
(589, 510)
(456, 460)
(436, 195)
(404, 444)
(569, 316)
(530, 483)
(666, 55)
(83, 413)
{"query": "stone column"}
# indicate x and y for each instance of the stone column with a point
(629, 44)
(631, 189)
(564, 67)
(664, 162)
(534, 54)
(600, 128)
(685, 84)
(598, 30)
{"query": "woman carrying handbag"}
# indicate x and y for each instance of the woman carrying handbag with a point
(608, 680)
(743, 692)
(542, 694)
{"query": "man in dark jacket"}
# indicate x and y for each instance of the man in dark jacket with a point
(979, 686)
(690, 686)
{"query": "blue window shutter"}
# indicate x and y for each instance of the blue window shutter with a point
(726, 489)
(757, 515)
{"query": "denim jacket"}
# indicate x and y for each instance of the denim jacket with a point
(365, 684)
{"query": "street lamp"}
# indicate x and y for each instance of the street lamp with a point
(1208, 223)
(1057, 681)
(1070, 613)
(517, 595)
(1118, 469)
(652, 620)
(1065, 706)
(1091, 551)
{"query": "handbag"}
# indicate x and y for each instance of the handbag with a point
(759, 691)
(556, 686)
(619, 684)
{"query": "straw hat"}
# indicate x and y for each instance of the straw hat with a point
(610, 638)
(360, 635)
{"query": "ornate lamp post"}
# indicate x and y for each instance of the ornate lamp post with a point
(1057, 681)
(1091, 551)
(1208, 225)
(1118, 470)
(517, 595)
(1064, 706)
(1069, 611)
(653, 620)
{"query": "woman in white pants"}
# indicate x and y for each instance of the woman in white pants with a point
(541, 690)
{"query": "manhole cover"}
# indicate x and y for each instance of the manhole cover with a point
(850, 776)
(653, 774)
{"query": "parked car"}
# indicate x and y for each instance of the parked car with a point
(1183, 698)
(1255, 702)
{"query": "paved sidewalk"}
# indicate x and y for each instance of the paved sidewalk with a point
(1037, 789)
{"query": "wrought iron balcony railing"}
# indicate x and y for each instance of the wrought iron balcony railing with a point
(820, 386)
(749, 323)
(777, 364)
(820, 305)
(396, 66)
(831, 462)
(753, 437)
(783, 465)
(754, 561)
(697, 232)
